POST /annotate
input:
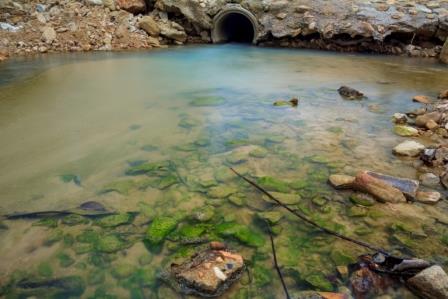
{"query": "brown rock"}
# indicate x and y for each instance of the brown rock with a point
(2, 57)
(148, 24)
(422, 99)
(431, 283)
(208, 273)
(381, 190)
(407, 186)
(132, 6)
(341, 181)
(443, 94)
(431, 124)
(423, 119)
(428, 197)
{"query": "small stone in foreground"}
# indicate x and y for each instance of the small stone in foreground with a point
(431, 197)
(341, 181)
(431, 283)
(409, 148)
(209, 273)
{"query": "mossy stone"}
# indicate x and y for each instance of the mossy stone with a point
(272, 217)
(88, 236)
(299, 184)
(258, 153)
(110, 244)
(122, 271)
(190, 231)
(222, 191)
(159, 229)
(284, 198)
(262, 276)
(68, 178)
(356, 211)
(95, 277)
(319, 281)
(236, 200)
(145, 259)
(82, 248)
(47, 222)
(223, 174)
(319, 201)
(236, 158)
(362, 231)
(207, 101)
(122, 187)
(242, 233)
(362, 199)
(44, 269)
(114, 220)
(273, 184)
(339, 258)
(55, 235)
(65, 260)
(151, 167)
(204, 214)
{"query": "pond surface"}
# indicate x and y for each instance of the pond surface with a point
(152, 134)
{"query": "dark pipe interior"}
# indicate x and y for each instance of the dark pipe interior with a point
(237, 28)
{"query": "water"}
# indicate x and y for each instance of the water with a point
(72, 125)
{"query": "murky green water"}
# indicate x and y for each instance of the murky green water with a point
(82, 128)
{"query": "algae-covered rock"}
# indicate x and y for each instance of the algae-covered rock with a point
(190, 231)
(285, 198)
(160, 167)
(236, 158)
(362, 199)
(319, 281)
(96, 277)
(258, 153)
(223, 174)
(356, 211)
(221, 191)
(262, 276)
(299, 184)
(275, 139)
(339, 258)
(159, 229)
(242, 233)
(47, 222)
(204, 214)
(54, 236)
(405, 131)
(44, 269)
(68, 178)
(122, 187)
(122, 271)
(111, 243)
(273, 184)
(115, 220)
(237, 200)
(208, 101)
(272, 217)
(65, 260)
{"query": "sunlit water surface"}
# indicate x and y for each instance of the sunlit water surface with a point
(71, 126)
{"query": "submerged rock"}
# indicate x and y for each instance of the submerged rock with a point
(159, 229)
(380, 189)
(429, 180)
(407, 186)
(341, 181)
(399, 118)
(208, 274)
(422, 120)
(294, 102)
(422, 99)
(350, 93)
(409, 148)
(431, 283)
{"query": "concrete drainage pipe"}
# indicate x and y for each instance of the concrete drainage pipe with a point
(235, 24)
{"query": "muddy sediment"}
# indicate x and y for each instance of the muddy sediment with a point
(391, 27)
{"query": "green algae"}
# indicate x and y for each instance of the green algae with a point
(89, 235)
(44, 269)
(319, 281)
(362, 199)
(356, 211)
(241, 232)
(207, 101)
(159, 229)
(74, 219)
(299, 184)
(262, 276)
(285, 198)
(95, 277)
(237, 199)
(111, 243)
(54, 236)
(236, 158)
(340, 259)
(65, 260)
(115, 220)
(204, 214)
(68, 178)
(122, 271)
(222, 191)
(258, 153)
(161, 167)
(272, 217)
(273, 184)
(47, 222)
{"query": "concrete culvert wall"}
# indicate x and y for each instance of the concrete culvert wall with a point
(235, 24)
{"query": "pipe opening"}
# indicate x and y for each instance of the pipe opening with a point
(234, 27)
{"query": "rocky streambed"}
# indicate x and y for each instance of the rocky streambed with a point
(414, 28)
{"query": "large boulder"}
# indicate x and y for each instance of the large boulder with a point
(48, 35)
(132, 6)
(380, 189)
(192, 10)
(148, 24)
(431, 283)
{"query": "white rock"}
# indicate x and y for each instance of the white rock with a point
(409, 148)
(431, 283)
(48, 35)
(428, 197)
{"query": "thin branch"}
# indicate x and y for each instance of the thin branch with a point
(305, 219)
(274, 253)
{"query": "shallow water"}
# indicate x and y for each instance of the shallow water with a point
(72, 125)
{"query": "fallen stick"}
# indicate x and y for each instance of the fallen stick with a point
(274, 253)
(305, 219)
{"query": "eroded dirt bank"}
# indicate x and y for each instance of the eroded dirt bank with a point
(415, 28)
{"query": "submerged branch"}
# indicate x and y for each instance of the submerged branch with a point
(274, 253)
(305, 219)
